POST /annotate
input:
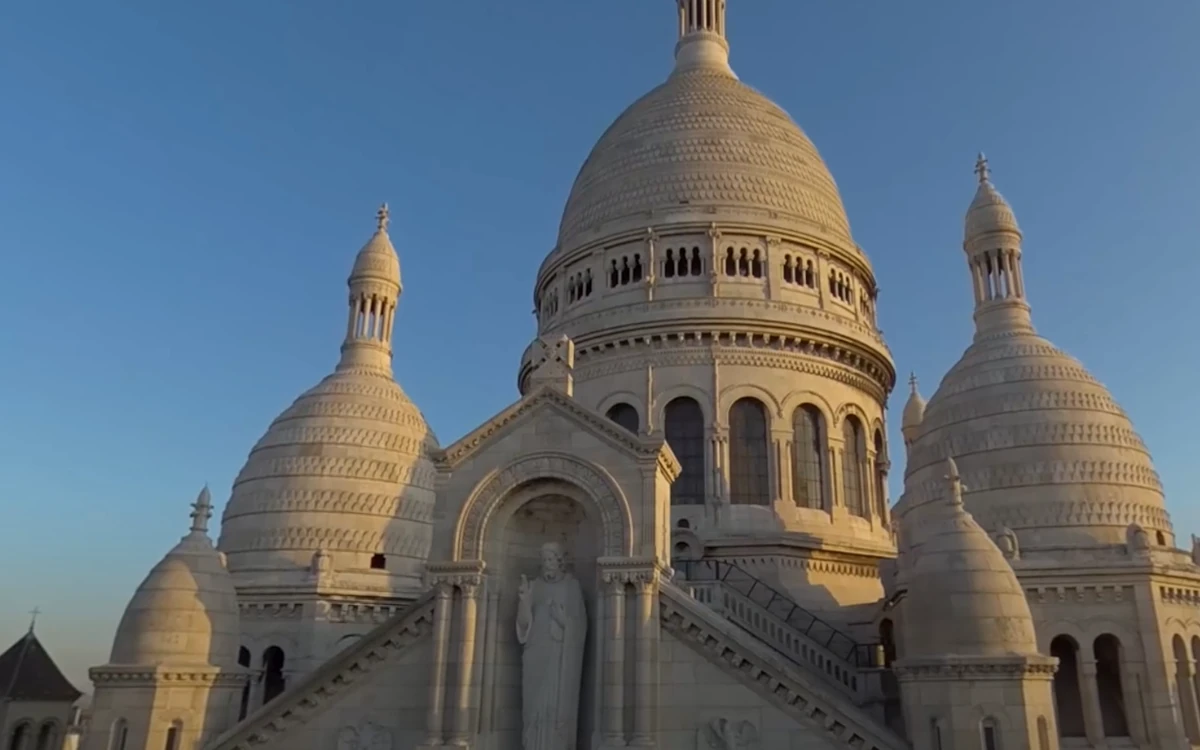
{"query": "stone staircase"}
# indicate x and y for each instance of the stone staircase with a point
(853, 669)
(797, 690)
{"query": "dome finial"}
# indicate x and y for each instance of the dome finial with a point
(982, 169)
(382, 218)
(202, 511)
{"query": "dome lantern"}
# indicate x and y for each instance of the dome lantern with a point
(374, 292)
(702, 41)
(992, 241)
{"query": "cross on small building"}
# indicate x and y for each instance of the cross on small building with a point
(981, 168)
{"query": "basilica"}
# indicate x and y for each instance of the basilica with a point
(679, 535)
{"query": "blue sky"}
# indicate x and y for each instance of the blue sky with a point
(183, 187)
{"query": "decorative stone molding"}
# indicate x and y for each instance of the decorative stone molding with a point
(1079, 594)
(955, 669)
(615, 519)
(689, 353)
(302, 702)
(764, 671)
(252, 610)
(400, 541)
(400, 505)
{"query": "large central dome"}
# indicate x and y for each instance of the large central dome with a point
(701, 140)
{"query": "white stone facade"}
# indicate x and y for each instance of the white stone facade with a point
(701, 429)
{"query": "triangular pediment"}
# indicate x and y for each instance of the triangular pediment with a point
(551, 403)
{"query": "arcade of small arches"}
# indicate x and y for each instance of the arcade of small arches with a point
(1093, 687)
(810, 456)
(29, 735)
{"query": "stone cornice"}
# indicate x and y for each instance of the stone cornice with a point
(678, 351)
(641, 447)
(765, 671)
(955, 668)
(301, 702)
(133, 676)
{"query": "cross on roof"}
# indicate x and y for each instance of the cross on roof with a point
(981, 168)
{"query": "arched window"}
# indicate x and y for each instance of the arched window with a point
(1107, 650)
(749, 475)
(19, 739)
(273, 679)
(683, 422)
(808, 457)
(244, 661)
(173, 733)
(1068, 701)
(880, 474)
(1185, 689)
(119, 735)
(854, 455)
(624, 415)
(47, 738)
(990, 734)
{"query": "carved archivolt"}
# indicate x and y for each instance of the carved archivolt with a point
(615, 517)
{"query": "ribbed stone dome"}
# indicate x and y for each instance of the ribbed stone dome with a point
(185, 612)
(964, 598)
(1043, 447)
(345, 469)
(701, 140)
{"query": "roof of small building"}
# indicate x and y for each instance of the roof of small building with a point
(27, 673)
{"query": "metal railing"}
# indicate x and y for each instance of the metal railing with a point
(780, 606)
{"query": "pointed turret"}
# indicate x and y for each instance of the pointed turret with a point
(992, 241)
(914, 412)
(374, 292)
(702, 42)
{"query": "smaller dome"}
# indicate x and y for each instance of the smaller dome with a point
(378, 260)
(989, 212)
(914, 408)
(963, 597)
(185, 611)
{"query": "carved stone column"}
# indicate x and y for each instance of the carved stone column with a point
(1093, 718)
(645, 684)
(614, 664)
(468, 617)
(434, 719)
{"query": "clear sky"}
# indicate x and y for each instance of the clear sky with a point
(183, 187)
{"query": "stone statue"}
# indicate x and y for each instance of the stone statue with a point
(1006, 540)
(724, 734)
(551, 626)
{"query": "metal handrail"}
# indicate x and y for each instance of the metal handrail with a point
(841, 645)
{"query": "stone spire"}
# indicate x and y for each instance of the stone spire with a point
(702, 42)
(914, 412)
(992, 242)
(202, 511)
(374, 291)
